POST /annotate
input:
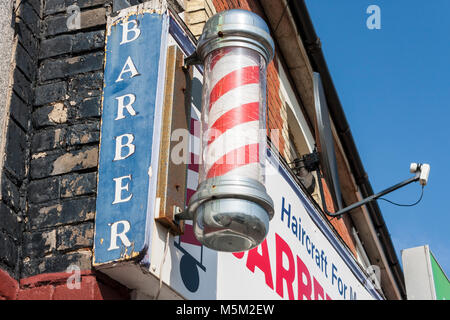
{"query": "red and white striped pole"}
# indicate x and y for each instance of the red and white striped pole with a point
(233, 123)
(231, 208)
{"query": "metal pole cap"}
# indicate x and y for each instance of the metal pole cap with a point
(237, 28)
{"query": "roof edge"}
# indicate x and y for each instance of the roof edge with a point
(312, 44)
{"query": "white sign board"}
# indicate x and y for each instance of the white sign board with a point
(296, 261)
(301, 258)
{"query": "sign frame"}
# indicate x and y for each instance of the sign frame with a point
(131, 110)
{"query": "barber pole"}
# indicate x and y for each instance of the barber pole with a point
(231, 208)
(233, 122)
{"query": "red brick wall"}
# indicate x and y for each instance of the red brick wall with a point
(53, 286)
(274, 105)
(339, 225)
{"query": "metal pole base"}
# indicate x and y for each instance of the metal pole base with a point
(231, 214)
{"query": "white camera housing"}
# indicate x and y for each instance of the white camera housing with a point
(424, 173)
(422, 170)
(413, 167)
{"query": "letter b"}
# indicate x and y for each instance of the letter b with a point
(126, 30)
(120, 145)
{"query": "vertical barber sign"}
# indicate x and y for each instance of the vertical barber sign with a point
(129, 147)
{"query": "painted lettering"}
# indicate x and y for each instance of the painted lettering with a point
(307, 245)
(374, 20)
(318, 290)
(121, 235)
(284, 274)
(121, 106)
(262, 261)
(180, 151)
(126, 30)
(304, 285)
(128, 67)
(333, 273)
(119, 187)
(120, 145)
(294, 226)
(287, 212)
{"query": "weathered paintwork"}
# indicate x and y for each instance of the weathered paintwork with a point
(129, 135)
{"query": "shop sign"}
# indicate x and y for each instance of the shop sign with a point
(301, 258)
(134, 61)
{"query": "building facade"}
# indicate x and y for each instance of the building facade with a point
(51, 116)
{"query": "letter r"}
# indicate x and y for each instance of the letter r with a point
(121, 235)
(282, 273)
(129, 106)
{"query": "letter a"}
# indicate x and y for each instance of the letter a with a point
(74, 281)
(180, 152)
(373, 21)
(128, 67)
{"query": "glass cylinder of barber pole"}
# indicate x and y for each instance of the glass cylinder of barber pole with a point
(231, 208)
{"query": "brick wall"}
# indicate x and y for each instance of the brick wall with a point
(54, 286)
(14, 172)
(64, 136)
(197, 12)
(50, 171)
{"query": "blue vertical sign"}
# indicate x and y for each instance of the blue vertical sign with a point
(129, 147)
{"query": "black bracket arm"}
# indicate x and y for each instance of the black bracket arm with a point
(364, 201)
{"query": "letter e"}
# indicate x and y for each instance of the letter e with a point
(118, 190)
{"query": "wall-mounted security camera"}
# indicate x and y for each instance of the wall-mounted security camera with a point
(422, 171)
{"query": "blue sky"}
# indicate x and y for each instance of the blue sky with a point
(394, 86)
